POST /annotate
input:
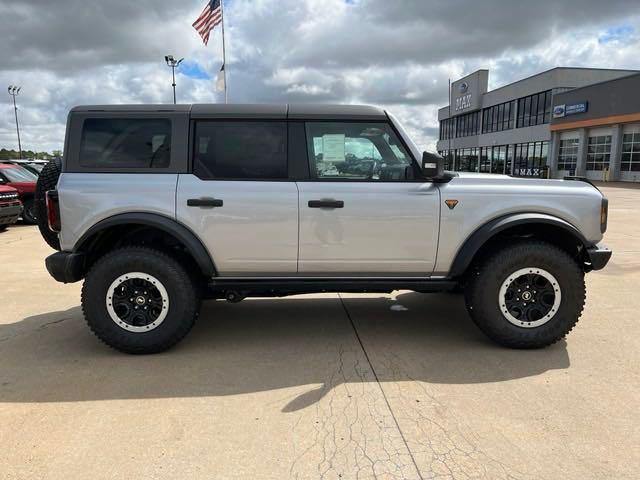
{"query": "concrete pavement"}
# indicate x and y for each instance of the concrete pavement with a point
(325, 386)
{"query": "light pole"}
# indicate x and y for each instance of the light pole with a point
(173, 63)
(13, 91)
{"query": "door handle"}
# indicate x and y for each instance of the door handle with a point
(204, 202)
(326, 203)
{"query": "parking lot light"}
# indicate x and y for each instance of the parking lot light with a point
(173, 63)
(14, 90)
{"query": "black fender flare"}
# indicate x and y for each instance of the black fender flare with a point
(193, 244)
(481, 235)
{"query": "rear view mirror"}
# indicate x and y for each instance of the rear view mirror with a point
(432, 165)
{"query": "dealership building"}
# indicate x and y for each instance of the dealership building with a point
(565, 121)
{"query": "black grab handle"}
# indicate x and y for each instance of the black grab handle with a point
(326, 204)
(204, 202)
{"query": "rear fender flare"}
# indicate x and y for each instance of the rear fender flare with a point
(189, 239)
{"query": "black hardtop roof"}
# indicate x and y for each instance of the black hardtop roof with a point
(273, 111)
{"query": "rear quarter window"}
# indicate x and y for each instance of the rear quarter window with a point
(125, 143)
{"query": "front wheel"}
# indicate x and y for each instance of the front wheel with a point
(139, 300)
(527, 295)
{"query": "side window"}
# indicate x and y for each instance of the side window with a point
(356, 151)
(240, 150)
(125, 143)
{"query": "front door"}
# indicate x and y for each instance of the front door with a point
(239, 200)
(364, 213)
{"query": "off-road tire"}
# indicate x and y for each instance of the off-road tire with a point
(29, 214)
(483, 289)
(184, 301)
(47, 180)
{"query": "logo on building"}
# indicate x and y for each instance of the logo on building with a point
(464, 87)
(560, 111)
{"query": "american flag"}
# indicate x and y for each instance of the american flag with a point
(210, 17)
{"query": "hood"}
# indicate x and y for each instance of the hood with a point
(496, 180)
(7, 189)
(23, 187)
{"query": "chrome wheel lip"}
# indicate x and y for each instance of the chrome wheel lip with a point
(525, 271)
(142, 276)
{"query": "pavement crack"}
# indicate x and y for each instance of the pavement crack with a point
(375, 375)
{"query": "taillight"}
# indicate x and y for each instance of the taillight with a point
(604, 214)
(53, 210)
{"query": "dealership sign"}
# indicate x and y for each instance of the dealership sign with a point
(560, 111)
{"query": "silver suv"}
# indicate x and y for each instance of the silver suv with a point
(159, 207)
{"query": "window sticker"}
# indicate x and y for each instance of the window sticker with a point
(333, 148)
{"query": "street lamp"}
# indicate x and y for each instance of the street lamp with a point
(173, 63)
(13, 91)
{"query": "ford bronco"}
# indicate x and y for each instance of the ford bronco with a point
(158, 207)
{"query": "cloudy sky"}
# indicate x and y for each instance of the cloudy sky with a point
(395, 53)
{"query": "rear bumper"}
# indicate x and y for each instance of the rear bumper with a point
(66, 267)
(597, 257)
(9, 214)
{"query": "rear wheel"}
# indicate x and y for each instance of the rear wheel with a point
(527, 295)
(139, 300)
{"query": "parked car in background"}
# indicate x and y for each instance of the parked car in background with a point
(24, 182)
(10, 206)
(34, 166)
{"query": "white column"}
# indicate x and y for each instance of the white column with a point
(583, 145)
(616, 152)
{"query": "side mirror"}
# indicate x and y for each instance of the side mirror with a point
(432, 165)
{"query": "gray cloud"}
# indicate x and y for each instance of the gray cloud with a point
(396, 54)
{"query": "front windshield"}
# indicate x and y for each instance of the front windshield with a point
(417, 153)
(18, 174)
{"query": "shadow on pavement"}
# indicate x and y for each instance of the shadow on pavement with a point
(266, 344)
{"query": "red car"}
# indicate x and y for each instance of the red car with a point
(25, 183)
(10, 206)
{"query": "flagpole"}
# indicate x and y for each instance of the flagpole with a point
(224, 55)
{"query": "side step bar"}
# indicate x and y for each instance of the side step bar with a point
(234, 289)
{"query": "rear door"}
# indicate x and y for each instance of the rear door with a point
(364, 212)
(239, 199)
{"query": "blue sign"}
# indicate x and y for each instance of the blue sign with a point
(560, 111)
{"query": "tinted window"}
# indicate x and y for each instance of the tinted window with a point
(242, 150)
(125, 143)
(356, 151)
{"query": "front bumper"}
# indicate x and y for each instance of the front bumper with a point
(597, 257)
(66, 267)
(9, 214)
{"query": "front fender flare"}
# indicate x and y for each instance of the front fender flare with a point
(480, 236)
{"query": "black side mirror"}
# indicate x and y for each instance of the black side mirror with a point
(432, 165)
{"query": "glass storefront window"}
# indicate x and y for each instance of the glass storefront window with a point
(534, 109)
(530, 159)
(467, 160)
(599, 152)
(631, 152)
(498, 117)
(568, 154)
